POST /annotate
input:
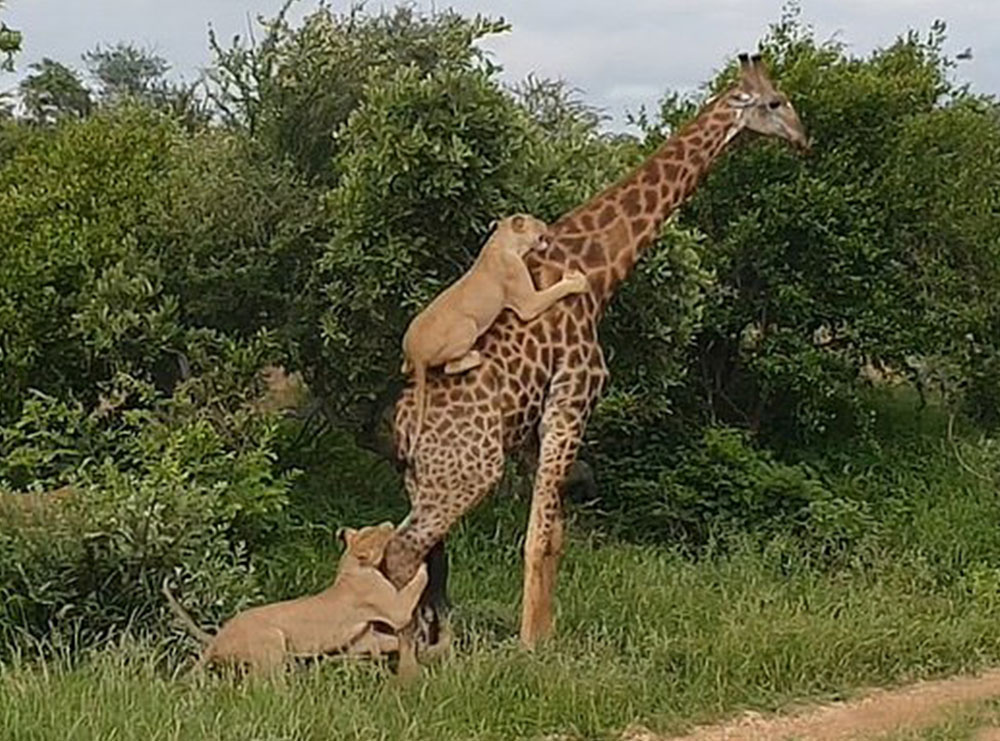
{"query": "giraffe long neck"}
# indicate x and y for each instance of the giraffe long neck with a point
(605, 236)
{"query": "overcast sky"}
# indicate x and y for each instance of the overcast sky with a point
(620, 53)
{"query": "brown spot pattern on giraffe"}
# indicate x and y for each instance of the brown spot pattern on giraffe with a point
(593, 255)
(569, 226)
(606, 216)
(630, 202)
(651, 173)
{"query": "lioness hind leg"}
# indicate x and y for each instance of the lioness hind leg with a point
(269, 655)
(470, 360)
(372, 643)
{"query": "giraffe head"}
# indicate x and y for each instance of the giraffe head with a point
(523, 233)
(763, 108)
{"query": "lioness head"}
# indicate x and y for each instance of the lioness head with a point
(524, 233)
(367, 545)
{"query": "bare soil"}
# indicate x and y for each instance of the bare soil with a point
(875, 714)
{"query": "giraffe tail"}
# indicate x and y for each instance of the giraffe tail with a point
(420, 399)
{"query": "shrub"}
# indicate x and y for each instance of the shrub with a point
(673, 490)
(868, 248)
(183, 486)
(73, 213)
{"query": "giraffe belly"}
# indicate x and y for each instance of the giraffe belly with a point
(553, 356)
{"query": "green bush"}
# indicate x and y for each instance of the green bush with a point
(182, 486)
(982, 396)
(122, 234)
(677, 490)
(297, 86)
(880, 244)
(74, 209)
(237, 233)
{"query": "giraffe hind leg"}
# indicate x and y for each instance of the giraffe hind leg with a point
(432, 612)
(448, 479)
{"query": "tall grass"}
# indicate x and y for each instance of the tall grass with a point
(646, 633)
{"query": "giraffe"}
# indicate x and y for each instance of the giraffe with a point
(540, 379)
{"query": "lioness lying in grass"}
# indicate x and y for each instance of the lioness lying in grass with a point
(339, 618)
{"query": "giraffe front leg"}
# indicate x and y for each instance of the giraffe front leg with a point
(561, 430)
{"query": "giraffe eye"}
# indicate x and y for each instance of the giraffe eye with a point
(774, 104)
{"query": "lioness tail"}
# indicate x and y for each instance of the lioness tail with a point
(182, 615)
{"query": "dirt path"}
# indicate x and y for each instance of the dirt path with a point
(880, 712)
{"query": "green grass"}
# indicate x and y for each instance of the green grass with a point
(962, 723)
(662, 641)
(646, 634)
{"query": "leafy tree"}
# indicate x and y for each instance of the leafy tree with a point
(119, 380)
(296, 86)
(126, 71)
(54, 92)
(10, 44)
(234, 268)
(866, 249)
(72, 230)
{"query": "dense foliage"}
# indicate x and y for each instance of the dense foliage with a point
(882, 246)
(160, 245)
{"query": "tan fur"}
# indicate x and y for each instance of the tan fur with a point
(263, 638)
(445, 332)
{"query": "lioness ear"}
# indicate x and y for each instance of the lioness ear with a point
(517, 223)
(386, 532)
(346, 535)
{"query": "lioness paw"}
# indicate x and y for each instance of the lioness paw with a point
(577, 279)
